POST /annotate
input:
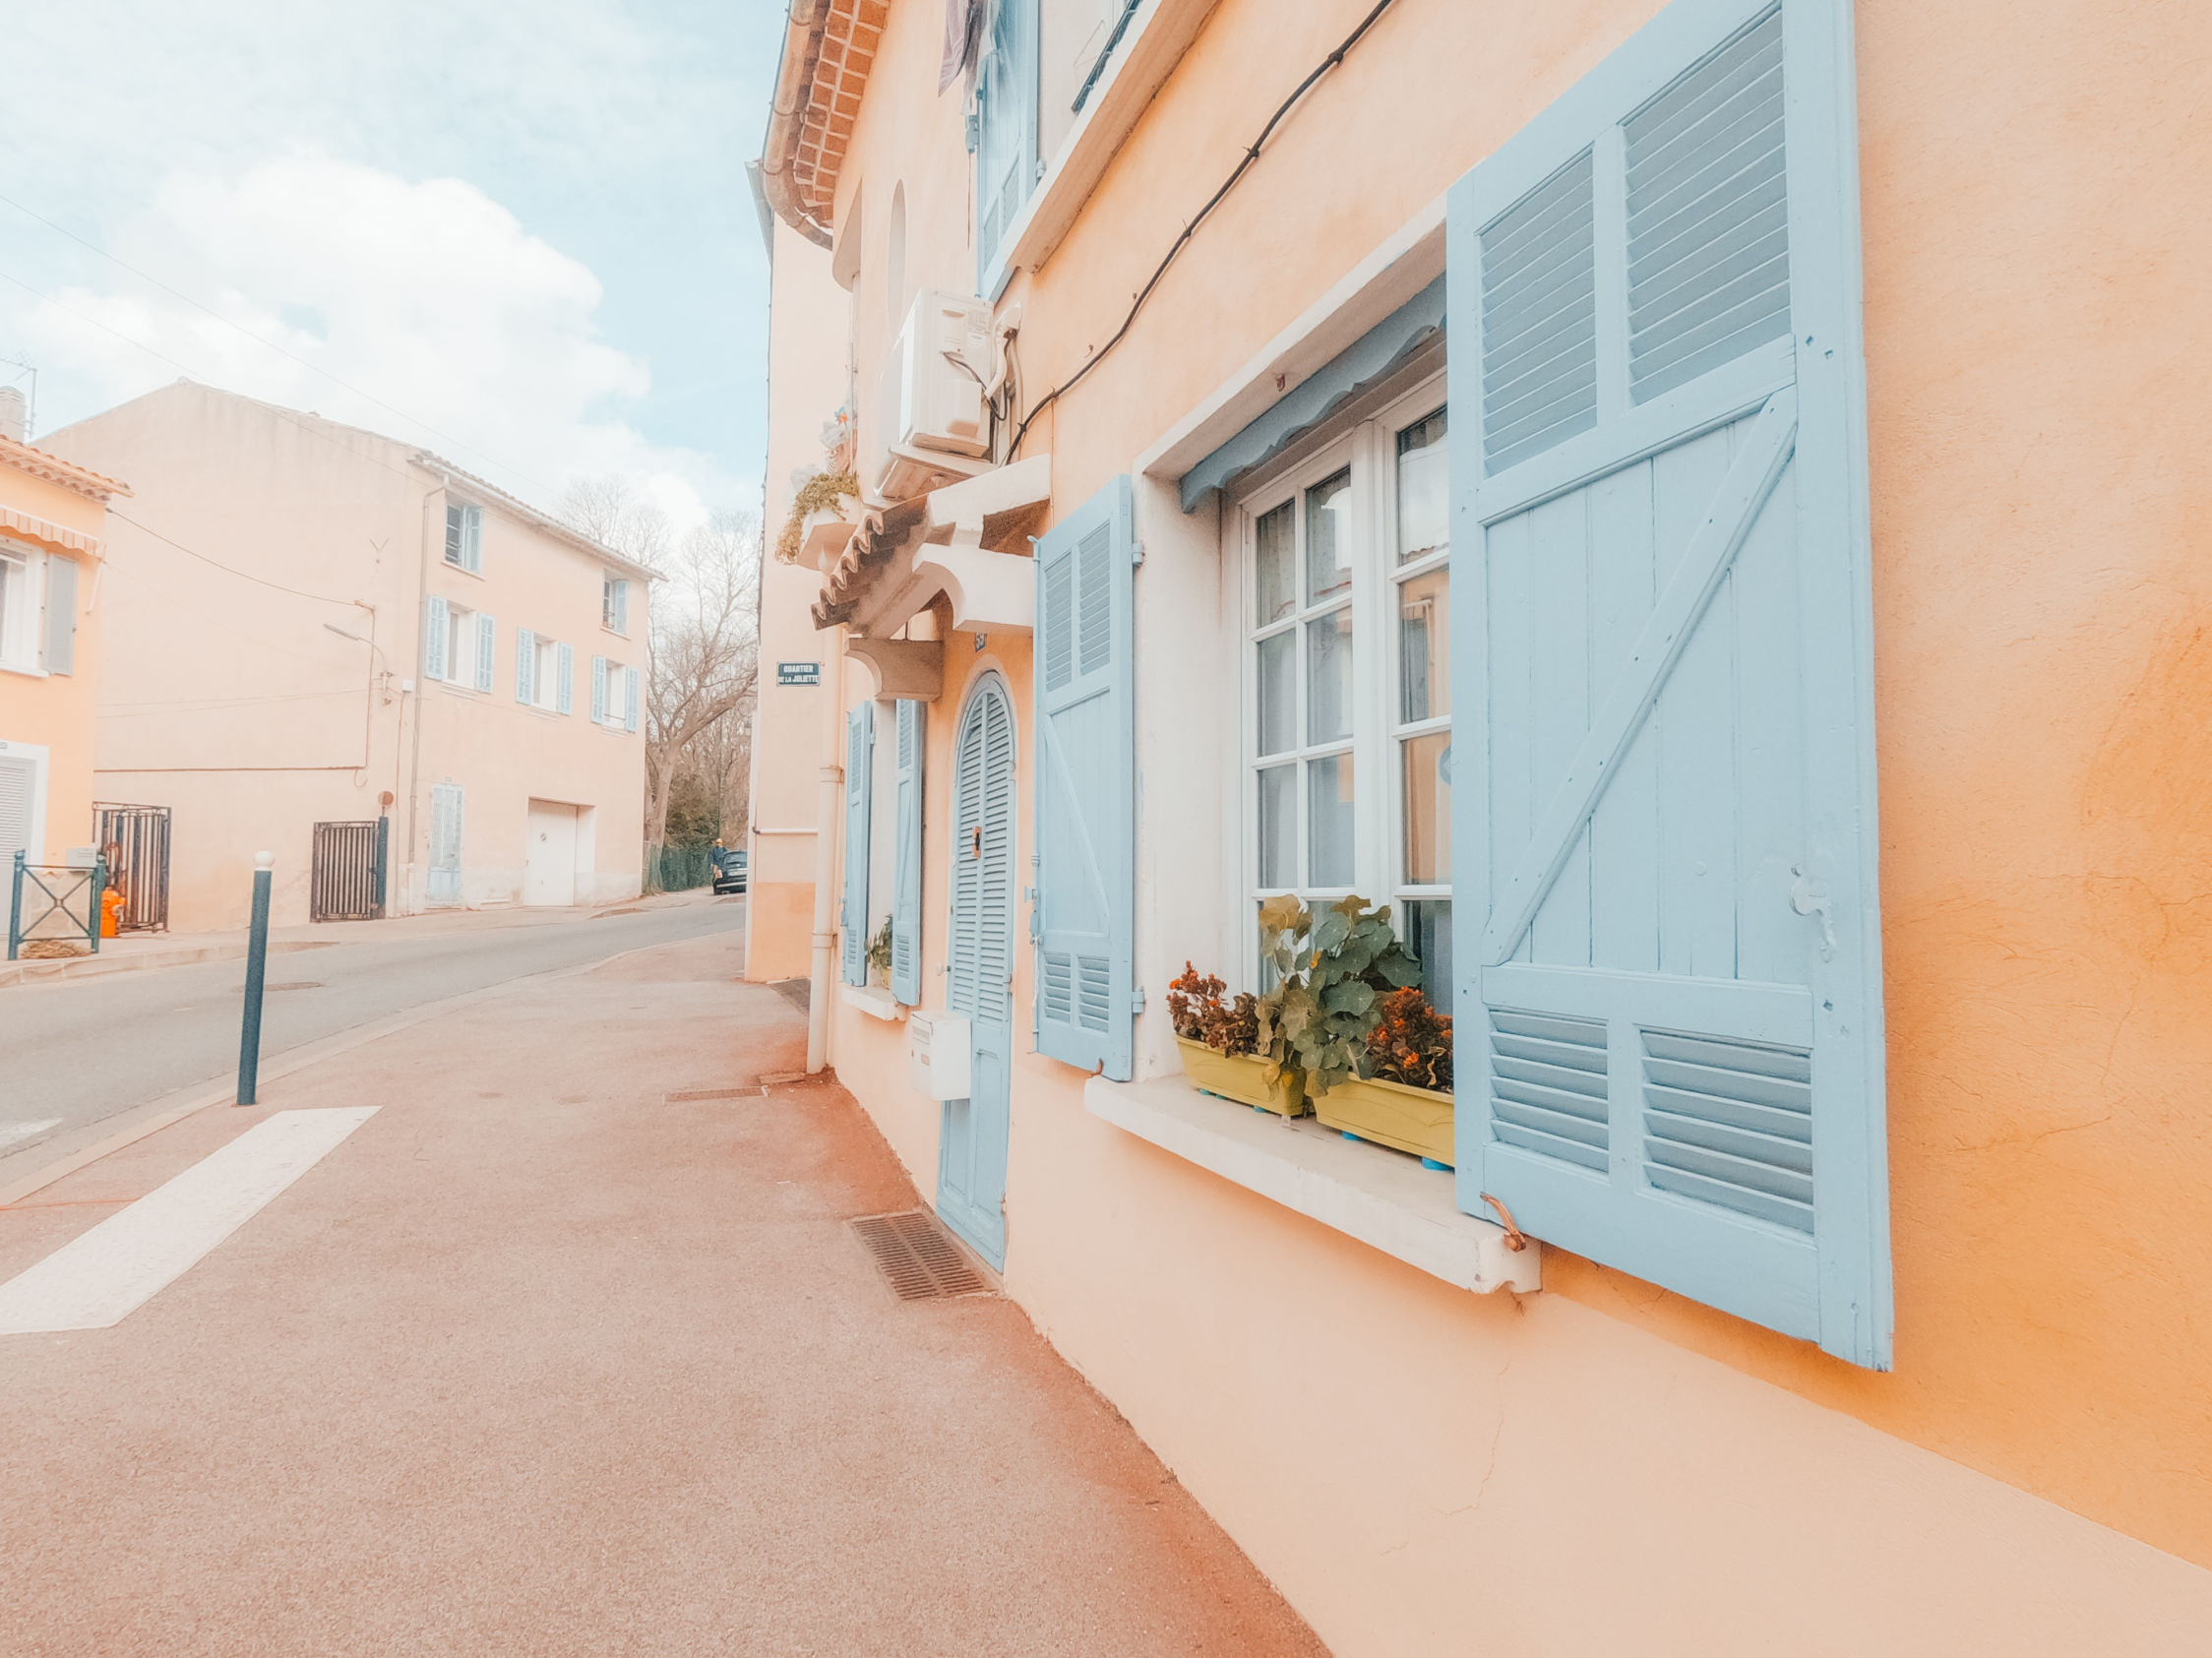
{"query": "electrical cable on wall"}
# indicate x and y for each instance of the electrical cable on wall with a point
(1244, 162)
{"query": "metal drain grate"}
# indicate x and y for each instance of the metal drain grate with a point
(690, 1094)
(912, 1251)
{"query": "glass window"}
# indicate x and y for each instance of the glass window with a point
(1328, 540)
(1278, 564)
(1278, 694)
(1329, 677)
(1328, 783)
(1424, 489)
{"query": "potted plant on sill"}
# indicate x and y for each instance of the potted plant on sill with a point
(879, 957)
(1219, 1042)
(1348, 1014)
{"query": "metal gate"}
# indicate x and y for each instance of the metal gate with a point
(135, 841)
(346, 880)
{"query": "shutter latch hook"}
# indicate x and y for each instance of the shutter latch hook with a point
(1513, 1239)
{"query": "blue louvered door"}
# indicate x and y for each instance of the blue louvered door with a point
(1672, 990)
(971, 1161)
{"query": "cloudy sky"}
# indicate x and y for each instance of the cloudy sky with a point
(516, 233)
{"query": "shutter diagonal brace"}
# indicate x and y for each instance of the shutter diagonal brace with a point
(1751, 479)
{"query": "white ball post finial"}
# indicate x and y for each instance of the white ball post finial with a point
(265, 860)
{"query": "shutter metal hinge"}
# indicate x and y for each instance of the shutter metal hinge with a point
(1136, 552)
(971, 126)
(1137, 999)
(1042, 169)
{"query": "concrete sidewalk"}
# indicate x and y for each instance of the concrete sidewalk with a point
(133, 951)
(539, 1362)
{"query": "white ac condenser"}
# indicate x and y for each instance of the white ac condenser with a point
(932, 425)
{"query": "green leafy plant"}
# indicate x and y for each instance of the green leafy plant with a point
(1412, 1043)
(879, 948)
(1332, 967)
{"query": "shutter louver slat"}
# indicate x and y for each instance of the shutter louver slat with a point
(1539, 309)
(1708, 215)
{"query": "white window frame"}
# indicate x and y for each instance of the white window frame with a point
(611, 696)
(1369, 449)
(545, 674)
(461, 647)
(471, 524)
(23, 608)
(608, 581)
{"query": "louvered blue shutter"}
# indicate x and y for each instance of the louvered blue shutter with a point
(454, 535)
(487, 645)
(472, 539)
(564, 679)
(446, 804)
(1668, 988)
(598, 688)
(61, 615)
(907, 882)
(434, 638)
(629, 699)
(525, 665)
(1085, 779)
(860, 737)
(621, 607)
(1005, 151)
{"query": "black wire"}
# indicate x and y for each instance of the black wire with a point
(1251, 155)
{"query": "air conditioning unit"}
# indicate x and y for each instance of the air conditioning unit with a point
(930, 425)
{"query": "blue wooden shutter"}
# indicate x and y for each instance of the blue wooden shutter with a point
(564, 679)
(1669, 956)
(621, 607)
(433, 637)
(454, 535)
(472, 539)
(907, 885)
(629, 699)
(487, 646)
(598, 688)
(525, 665)
(446, 808)
(1086, 782)
(1005, 151)
(61, 615)
(860, 737)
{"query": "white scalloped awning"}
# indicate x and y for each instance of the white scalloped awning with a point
(33, 528)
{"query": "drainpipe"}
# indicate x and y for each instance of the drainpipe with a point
(828, 818)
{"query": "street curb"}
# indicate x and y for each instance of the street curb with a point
(99, 967)
(285, 1064)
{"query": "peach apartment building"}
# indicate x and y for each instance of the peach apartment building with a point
(1698, 504)
(53, 537)
(415, 689)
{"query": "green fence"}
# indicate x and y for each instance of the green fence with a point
(677, 869)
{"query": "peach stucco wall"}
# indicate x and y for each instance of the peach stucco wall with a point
(229, 700)
(1414, 1466)
(59, 712)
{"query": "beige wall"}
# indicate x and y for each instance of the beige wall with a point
(1607, 1466)
(58, 712)
(229, 700)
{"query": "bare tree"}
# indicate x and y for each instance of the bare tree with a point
(608, 509)
(706, 661)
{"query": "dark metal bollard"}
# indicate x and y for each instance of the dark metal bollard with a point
(257, 963)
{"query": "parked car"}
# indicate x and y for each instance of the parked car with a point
(730, 868)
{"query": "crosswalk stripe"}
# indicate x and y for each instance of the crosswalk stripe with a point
(101, 1276)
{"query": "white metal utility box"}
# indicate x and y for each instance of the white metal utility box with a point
(937, 1051)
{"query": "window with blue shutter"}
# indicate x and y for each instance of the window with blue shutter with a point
(629, 699)
(1669, 996)
(860, 738)
(61, 615)
(472, 539)
(487, 638)
(600, 688)
(564, 679)
(525, 665)
(434, 627)
(1006, 149)
(1084, 812)
(906, 879)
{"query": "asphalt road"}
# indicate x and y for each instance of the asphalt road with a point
(73, 1054)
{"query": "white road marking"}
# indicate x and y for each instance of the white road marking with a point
(10, 1132)
(101, 1276)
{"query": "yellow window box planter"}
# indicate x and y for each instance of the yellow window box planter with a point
(1390, 1114)
(1240, 1077)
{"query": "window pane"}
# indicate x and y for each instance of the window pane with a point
(1328, 798)
(1329, 677)
(1328, 538)
(1278, 827)
(1428, 935)
(1278, 692)
(1427, 763)
(1278, 558)
(1424, 488)
(1425, 647)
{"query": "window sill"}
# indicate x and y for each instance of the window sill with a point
(27, 673)
(463, 569)
(458, 689)
(873, 1000)
(1153, 45)
(1381, 1197)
